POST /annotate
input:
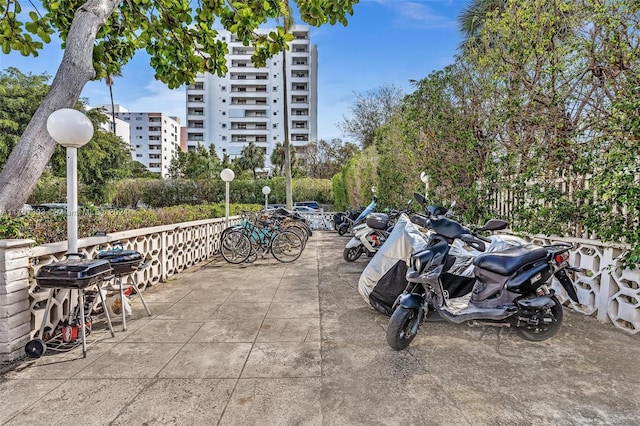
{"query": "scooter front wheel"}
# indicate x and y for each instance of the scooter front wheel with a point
(351, 254)
(400, 329)
(343, 229)
(542, 331)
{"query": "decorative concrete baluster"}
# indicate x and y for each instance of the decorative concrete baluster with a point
(15, 312)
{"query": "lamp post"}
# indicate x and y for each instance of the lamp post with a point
(71, 129)
(425, 179)
(266, 191)
(227, 176)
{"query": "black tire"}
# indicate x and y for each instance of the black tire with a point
(286, 247)
(343, 229)
(543, 333)
(352, 254)
(399, 329)
(299, 230)
(235, 247)
(35, 348)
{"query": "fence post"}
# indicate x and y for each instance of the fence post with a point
(15, 313)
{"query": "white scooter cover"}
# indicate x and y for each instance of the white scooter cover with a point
(384, 278)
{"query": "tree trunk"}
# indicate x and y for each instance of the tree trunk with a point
(35, 147)
(287, 154)
(113, 108)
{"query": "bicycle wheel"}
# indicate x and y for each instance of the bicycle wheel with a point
(235, 247)
(299, 231)
(286, 246)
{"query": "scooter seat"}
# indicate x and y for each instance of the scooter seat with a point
(508, 261)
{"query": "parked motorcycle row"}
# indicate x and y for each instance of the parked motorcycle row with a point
(431, 264)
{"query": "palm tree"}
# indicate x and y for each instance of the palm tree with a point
(473, 16)
(109, 81)
(278, 157)
(251, 158)
(288, 23)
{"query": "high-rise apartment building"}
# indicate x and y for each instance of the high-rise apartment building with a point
(154, 138)
(247, 104)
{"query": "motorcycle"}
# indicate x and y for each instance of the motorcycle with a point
(368, 237)
(372, 234)
(511, 286)
(348, 224)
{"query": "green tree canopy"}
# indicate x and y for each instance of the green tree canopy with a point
(197, 164)
(20, 95)
(370, 111)
(252, 157)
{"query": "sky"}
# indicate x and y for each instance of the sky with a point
(387, 42)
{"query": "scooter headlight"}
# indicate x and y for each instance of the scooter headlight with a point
(420, 261)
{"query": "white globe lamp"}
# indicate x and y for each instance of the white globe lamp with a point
(71, 129)
(266, 191)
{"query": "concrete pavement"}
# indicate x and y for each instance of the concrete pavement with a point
(295, 344)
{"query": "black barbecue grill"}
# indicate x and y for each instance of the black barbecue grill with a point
(76, 272)
(124, 262)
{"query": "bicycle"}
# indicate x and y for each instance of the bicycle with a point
(245, 241)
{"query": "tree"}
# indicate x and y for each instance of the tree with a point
(108, 79)
(196, 164)
(278, 158)
(324, 159)
(252, 157)
(20, 95)
(100, 36)
(370, 111)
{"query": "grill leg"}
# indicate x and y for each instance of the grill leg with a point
(122, 302)
(82, 322)
(106, 312)
(46, 314)
(132, 282)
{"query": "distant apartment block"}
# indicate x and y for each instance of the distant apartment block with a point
(121, 126)
(247, 104)
(154, 138)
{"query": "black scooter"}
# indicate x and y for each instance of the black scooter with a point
(511, 287)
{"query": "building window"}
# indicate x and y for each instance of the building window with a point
(224, 112)
(223, 88)
(224, 125)
(275, 125)
(224, 138)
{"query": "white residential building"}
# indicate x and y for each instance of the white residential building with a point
(122, 127)
(247, 105)
(154, 136)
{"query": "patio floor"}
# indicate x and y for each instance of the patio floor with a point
(294, 344)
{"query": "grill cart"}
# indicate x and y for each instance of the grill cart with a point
(124, 263)
(76, 272)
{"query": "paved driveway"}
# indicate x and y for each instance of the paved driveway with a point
(276, 344)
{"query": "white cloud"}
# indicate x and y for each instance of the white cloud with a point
(418, 13)
(157, 97)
